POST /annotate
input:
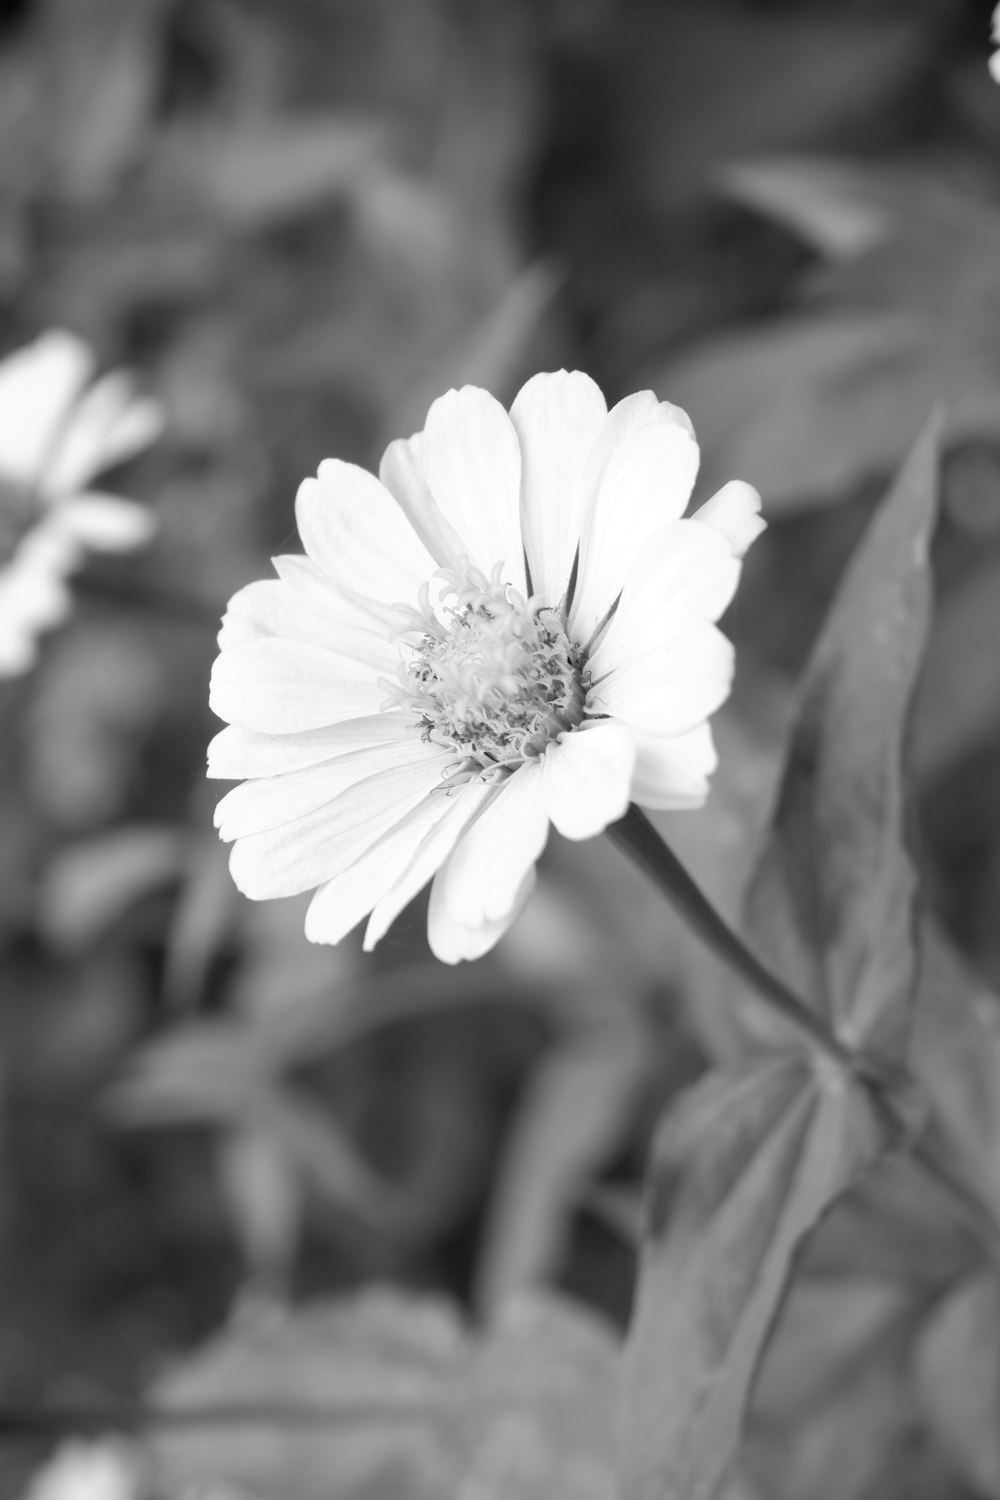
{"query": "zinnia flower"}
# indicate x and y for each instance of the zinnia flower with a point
(511, 627)
(994, 62)
(55, 437)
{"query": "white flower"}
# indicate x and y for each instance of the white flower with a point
(55, 437)
(512, 627)
(104, 1470)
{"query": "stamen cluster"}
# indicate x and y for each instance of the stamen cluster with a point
(492, 675)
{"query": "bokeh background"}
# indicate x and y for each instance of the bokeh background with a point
(299, 221)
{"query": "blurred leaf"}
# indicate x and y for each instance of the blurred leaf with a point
(958, 1370)
(90, 885)
(806, 406)
(706, 83)
(958, 706)
(265, 1198)
(405, 1403)
(572, 1114)
(256, 176)
(741, 1170)
(831, 902)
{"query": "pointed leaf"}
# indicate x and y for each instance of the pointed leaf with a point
(741, 1170)
(831, 902)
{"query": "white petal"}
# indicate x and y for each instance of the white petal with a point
(479, 883)
(685, 571)
(316, 589)
(280, 687)
(463, 804)
(586, 777)
(235, 754)
(472, 463)
(402, 473)
(735, 511)
(106, 523)
(352, 527)
(269, 801)
(452, 940)
(38, 386)
(108, 425)
(642, 467)
(673, 771)
(342, 902)
(556, 417)
(315, 848)
(273, 608)
(672, 688)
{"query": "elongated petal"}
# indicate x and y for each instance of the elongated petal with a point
(642, 467)
(472, 463)
(481, 878)
(402, 473)
(556, 417)
(272, 608)
(686, 571)
(586, 777)
(38, 386)
(352, 527)
(280, 687)
(315, 848)
(109, 424)
(270, 801)
(462, 806)
(735, 511)
(452, 940)
(236, 753)
(673, 771)
(105, 523)
(342, 902)
(672, 688)
(312, 586)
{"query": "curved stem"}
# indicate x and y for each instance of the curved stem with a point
(636, 836)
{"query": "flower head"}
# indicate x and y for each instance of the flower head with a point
(513, 626)
(994, 62)
(55, 437)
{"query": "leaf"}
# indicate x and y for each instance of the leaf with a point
(808, 405)
(571, 1116)
(92, 884)
(403, 1401)
(740, 1171)
(958, 1378)
(831, 902)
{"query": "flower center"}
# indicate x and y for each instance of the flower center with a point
(18, 514)
(492, 675)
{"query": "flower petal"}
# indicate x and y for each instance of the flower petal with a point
(642, 467)
(686, 570)
(463, 805)
(38, 387)
(586, 777)
(673, 687)
(273, 608)
(236, 753)
(109, 424)
(480, 880)
(352, 527)
(402, 473)
(269, 801)
(105, 523)
(452, 940)
(735, 511)
(556, 417)
(472, 463)
(281, 687)
(342, 902)
(315, 848)
(673, 771)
